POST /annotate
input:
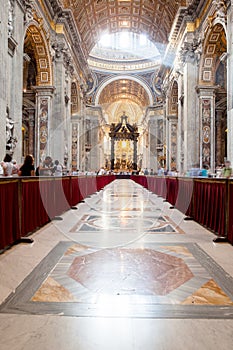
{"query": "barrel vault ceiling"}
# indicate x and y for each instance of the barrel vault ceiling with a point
(93, 18)
(151, 17)
(124, 89)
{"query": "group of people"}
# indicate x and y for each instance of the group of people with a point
(48, 168)
(9, 167)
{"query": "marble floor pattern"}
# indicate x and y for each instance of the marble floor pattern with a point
(123, 271)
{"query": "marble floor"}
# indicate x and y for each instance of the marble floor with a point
(123, 271)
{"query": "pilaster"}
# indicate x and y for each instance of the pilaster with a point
(229, 35)
(172, 124)
(207, 126)
(44, 132)
(60, 145)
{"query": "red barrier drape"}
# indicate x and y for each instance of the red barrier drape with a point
(172, 190)
(140, 179)
(34, 213)
(209, 204)
(103, 180)
(82, 186)
(230, 212)
(151, 184)
(26, 204)
(99, 182)
(161, 186)
(184, 201)
(62, 196)
(204, 200)
(9, 213)
(76, 196)
(91, 185)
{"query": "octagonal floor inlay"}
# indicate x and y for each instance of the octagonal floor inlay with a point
(130, 271)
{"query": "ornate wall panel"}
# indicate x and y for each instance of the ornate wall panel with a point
(206, 131)
(43, 125)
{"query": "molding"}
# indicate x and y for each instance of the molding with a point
(12, 44)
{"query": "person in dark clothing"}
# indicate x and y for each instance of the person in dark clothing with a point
(27, 169)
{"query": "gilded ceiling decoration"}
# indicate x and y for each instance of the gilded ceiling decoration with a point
(132, 110)
(124, 89)
(96, 17)
(152, 18)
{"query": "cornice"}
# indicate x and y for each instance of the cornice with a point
(65, 17)
(189, 19)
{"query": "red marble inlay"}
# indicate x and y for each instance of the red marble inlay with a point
(130, 271)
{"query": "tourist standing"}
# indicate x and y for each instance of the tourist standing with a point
(227, 170)
(57, 170)
(7, 165)
(27, 169)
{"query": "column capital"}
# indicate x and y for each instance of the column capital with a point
(206, 91)
(172, 117)
(44, 90)
(191, 51)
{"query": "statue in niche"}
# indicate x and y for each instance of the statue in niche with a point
(10, 18)
(11, 140)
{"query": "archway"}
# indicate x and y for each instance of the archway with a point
(37, 72)
(213, 93)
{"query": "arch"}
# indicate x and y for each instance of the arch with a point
(214, 50)
(35, 41)
(125, 77)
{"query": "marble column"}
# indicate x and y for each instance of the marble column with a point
(82, 154)
(152, 128)
(156, 129)
(229, 35)
(75, 143)
(43, 130)
(94, 156)
(4, 74)
(180, 127)
(135, 154)
(172, 141)
(207, 126)
(31, 131)
(191, 117)
(57, 120)
(112, 153)
(145, 160)
(12, 21)
(219, 142)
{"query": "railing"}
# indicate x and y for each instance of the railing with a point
(208, 201)
(29, 203)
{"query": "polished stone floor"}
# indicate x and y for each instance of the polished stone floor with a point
(123, 271)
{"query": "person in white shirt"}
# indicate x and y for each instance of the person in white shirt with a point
(7, 165)
(101, 171)
(57, 168)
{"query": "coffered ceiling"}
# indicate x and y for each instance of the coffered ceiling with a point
(96, 17)
(124, 89)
